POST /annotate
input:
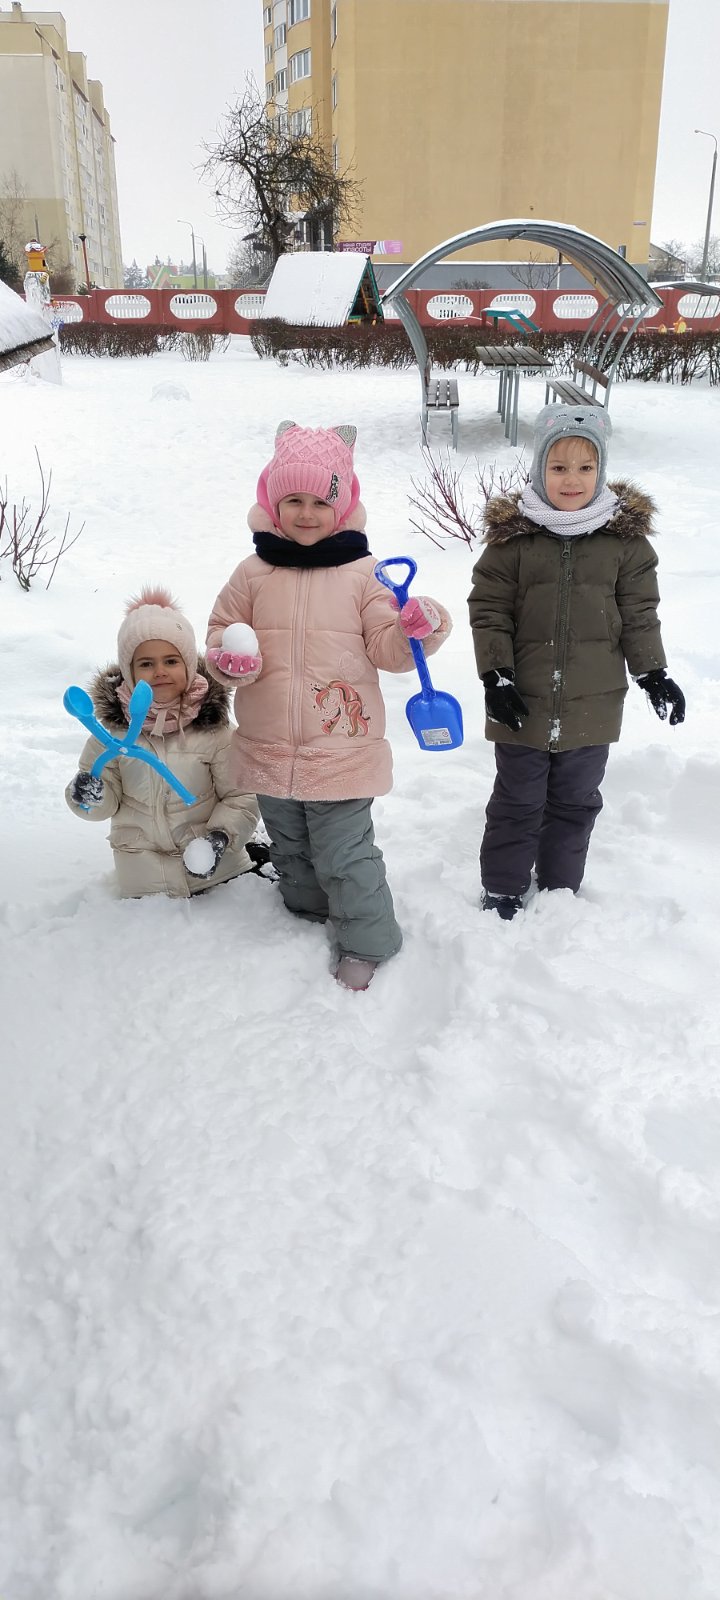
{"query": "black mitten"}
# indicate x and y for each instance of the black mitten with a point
(663, 692)
(87, 791)
(218, 841)
(502, 701)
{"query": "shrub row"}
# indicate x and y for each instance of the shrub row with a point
(649, 356)
(107, 339)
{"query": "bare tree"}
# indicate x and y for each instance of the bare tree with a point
(535, 273)
(695, 257)
(8, 270)
(13, 221)
(248, 267)
(670, 260)
(270, 178)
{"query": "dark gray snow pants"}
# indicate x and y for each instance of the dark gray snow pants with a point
(541, 813)
(331, 869)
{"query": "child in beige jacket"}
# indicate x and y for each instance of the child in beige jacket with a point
(160, 845)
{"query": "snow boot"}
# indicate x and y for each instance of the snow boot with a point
(506, 905)
(260, 857)
(354, 973)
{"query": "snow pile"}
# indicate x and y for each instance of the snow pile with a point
(170, 391)
(411, 1295)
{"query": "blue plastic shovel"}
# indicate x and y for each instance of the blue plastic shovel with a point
(435, 717)
(79, 705)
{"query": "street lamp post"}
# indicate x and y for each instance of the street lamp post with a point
(706, 247)
(83, 240)
(204, 260)
(192, 235)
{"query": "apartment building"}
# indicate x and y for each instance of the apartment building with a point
(56, 146)
(457, 112)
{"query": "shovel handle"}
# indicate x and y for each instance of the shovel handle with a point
(400, 590)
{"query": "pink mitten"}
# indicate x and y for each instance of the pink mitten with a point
(419, 618)
(233, 666)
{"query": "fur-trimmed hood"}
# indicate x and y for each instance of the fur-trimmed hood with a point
(214, 711)
(633, 518)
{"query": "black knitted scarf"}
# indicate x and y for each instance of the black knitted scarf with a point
(333, 552)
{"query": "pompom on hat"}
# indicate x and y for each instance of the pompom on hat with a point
(153, 614)
(569, 422)
(316, 461)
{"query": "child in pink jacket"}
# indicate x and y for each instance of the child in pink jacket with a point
(310, 737)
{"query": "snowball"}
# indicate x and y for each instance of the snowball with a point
(240, 639)
(170, 391)
(199, 856)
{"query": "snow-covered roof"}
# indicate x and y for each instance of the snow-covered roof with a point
(23, 332)
(315, 287)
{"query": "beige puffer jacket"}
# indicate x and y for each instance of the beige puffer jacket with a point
(151, 825)
(311, 724)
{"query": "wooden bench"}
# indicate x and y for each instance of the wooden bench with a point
(440, 394)
(579, 394)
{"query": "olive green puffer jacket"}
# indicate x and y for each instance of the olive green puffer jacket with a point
(567, 615)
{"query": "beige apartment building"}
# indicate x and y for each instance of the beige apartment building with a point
(56, 147)
(453, 113)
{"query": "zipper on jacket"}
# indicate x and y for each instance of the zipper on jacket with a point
(298, 649)
(558, 677)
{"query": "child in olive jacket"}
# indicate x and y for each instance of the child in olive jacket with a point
(564, 596)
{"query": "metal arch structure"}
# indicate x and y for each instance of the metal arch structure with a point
(620, 283)
(704, 291)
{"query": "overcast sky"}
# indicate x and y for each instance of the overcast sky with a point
(169, 67)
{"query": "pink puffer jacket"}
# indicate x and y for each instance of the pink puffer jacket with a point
(311, 723)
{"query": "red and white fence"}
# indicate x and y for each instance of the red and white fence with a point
(232, 310)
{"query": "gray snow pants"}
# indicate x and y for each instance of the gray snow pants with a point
(541, 812)
(330, 868)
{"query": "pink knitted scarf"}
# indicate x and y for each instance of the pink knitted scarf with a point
(161, 720)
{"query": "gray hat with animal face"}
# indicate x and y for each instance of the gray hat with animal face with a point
(569, 422)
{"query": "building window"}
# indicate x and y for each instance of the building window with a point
(270, 89)
(334, 91)
(267, 16)
(335, 156)
(301, 122)
(281, 81)
(280, 36)
(268, 54)
(333, 24)
(300, 66)
(298, 10)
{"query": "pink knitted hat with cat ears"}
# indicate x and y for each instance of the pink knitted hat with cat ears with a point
(153, 614)
(317, 461)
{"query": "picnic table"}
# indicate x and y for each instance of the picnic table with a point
(510, 361)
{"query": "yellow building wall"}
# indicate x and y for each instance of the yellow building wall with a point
(459, 112)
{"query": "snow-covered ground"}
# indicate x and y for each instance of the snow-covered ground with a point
(413, 1295)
